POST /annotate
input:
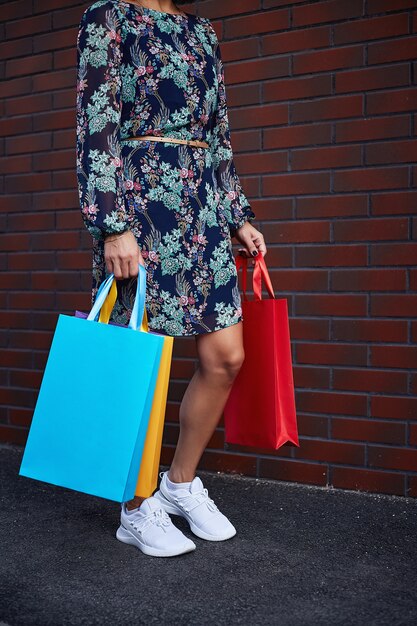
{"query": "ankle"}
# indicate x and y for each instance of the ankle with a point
(135, 503)
(180, 476)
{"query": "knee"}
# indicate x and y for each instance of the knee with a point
(227, 365)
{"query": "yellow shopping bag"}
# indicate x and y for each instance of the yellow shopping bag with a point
(148, 472)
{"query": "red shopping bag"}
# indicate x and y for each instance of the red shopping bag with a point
(260, 410)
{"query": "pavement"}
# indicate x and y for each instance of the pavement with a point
(302, 555)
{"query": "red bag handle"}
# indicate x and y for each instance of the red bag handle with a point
(260, 271)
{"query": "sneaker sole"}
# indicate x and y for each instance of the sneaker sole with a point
(126, 536)
(171, 509)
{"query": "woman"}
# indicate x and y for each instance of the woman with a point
(148, 69)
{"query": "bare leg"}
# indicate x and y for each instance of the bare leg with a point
(220, 355)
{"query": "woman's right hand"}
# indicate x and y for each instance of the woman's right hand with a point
(122, 255)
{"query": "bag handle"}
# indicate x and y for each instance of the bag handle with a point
(260, 271)
(138, 311)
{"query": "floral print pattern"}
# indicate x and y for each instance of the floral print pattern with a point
(146, 72)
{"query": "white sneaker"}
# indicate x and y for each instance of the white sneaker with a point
(150, 529)
(194, 504)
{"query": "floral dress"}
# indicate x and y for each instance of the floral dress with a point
(147, 72)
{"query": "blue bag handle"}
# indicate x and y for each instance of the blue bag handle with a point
(138, 310)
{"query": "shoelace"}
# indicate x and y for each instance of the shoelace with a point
(157, 518)
(197, 498)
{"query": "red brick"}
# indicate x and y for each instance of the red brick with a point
(28, 182)
(327, 108)
(293, 280)
(16, 48)
(400, 305)
(311, 377)
(54, 160)
(329, 59)
(259, 69)
(28, 26)
(379, 6)
(293, 471)
(328, 256)
(28, 144)
(371, 178)
(371, 230)
(238, 95)
(394, 407)
(331, 354)
(392, 458)
(15, 165)
(31, 300)
(20, 417)
(297, 232)
(395, 202)
(331, 451)
(332, 206)
(53, 80)
(16, 87)
(15, 280)
(372, 78)
(67, 17)
(368, 430)
(300, 135)
(28, 104)
(368, 480)
(12, 434)
(260, 116)
(394, 254)
(324, 158)
(395, 50)
(333, 305)
(391, 152)
(254, 24)
(265, 162)
(391, 101)
(240, 49)
(54, 119)
(296, 40)
(370, 330)
(404, 357)
(369, 280)
(13, 10)
(310, 329)
(214, 9)
(67, 138)
(328, 11)
(56, 40)
(331, 403)
(378, 128)
(295, 184)
(371, 28)
(25, 379)
(294, 89)
(312, 425)
(65, 58)
(369, 380)
(33, 261)
(28, 65)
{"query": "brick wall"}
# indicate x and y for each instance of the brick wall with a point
(322, 98)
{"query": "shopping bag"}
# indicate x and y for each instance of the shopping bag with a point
(260, 410)
(92, 412)
(149, 467)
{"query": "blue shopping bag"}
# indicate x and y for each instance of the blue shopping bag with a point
(92, 412)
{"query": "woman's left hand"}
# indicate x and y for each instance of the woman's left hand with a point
(252, 239)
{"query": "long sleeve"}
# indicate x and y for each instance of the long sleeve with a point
(235, 204)
(99, 163)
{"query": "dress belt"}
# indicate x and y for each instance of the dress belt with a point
(188, 142)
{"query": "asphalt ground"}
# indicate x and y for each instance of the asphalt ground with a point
(302, 555)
